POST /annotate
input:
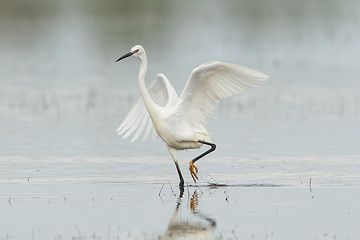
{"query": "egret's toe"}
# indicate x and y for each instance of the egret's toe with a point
(193, 171)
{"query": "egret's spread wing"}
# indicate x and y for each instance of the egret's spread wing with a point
(138, 120)
(162, 92)
(211, 82)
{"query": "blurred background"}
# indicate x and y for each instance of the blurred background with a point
(62, 94)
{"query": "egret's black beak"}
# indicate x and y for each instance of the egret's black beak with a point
(125, 56)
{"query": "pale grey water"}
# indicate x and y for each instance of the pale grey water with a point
(65, 173)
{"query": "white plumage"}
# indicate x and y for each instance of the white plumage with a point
(138, 120)
(181, 121)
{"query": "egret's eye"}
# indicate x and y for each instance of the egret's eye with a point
(137, 50)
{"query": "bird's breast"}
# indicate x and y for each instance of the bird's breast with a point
(177, 133)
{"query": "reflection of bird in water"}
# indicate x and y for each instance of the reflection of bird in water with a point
(199, 227)
(181, 120)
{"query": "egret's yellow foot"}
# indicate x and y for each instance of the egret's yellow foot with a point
(193, 170)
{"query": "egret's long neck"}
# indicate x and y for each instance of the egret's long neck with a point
(149, 103)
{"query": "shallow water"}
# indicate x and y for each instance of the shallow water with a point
(287, 157)
(137, 198)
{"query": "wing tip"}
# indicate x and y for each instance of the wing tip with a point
(263, 76)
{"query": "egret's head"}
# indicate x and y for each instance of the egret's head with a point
(136, 51)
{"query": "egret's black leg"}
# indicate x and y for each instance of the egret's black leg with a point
(192, 166)
(172, 152)
(181, 184)
(181, 188)
(213, 147)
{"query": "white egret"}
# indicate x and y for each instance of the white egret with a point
(181, 121)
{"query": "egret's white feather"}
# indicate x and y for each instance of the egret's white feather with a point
(211, 82)
(149, 127)
(136, 124)
(127, 122)
(138, 120)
